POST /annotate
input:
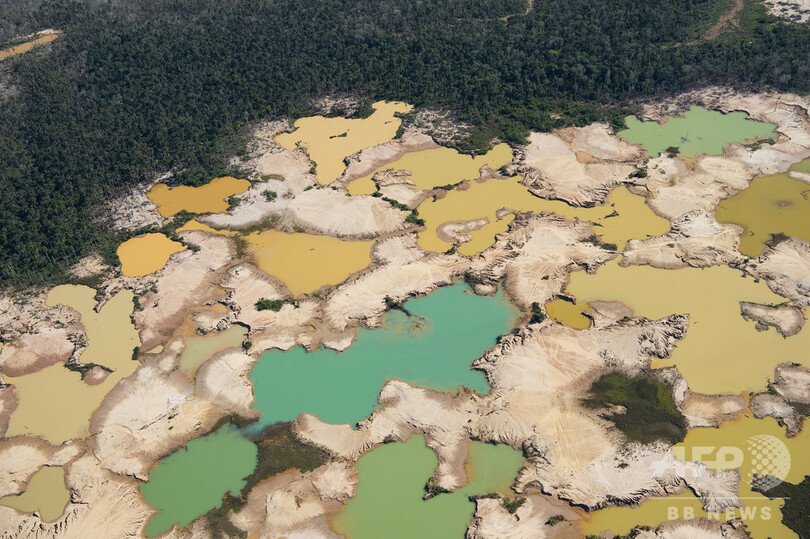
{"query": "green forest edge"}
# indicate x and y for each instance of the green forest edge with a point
(94, 113)
(797, 505)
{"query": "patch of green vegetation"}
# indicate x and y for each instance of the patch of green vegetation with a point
(797, 505)
(650, 414)
(537, 314)
(514, 133)
(199, 176)
(596, 240)
(364, 110)
(337, 110)
(513, 505)
(279, 451)
(699, 29)
(487, 496)
(755, 22)
(757, 144)
(776, 239)
(672, 151)
(395, 203)
(554, 520)
(393, 305)
(432, 489)
(107, 247)
(218, 519)
(274, 305)
(241, 246)
(414, 218)
(83, 368)
(269, 195)
(342, 135)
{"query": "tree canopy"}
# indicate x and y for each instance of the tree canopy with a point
(140, 87)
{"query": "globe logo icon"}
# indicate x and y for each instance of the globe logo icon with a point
(770, 461)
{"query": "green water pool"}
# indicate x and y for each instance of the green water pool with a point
(434, 347)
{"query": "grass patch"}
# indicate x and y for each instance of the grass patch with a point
(651, 413)
(699, 29)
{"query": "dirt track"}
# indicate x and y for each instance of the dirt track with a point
(729, 17)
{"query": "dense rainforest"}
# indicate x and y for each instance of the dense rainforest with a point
(140, 87)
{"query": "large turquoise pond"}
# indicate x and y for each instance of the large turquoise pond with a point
(433, 348)
(700, 131)
(391, 485)
(193, 480)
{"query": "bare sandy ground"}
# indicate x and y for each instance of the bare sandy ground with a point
(789, 395)
(296, 502)
(491, 519)
(554, 168)
(797, 11)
